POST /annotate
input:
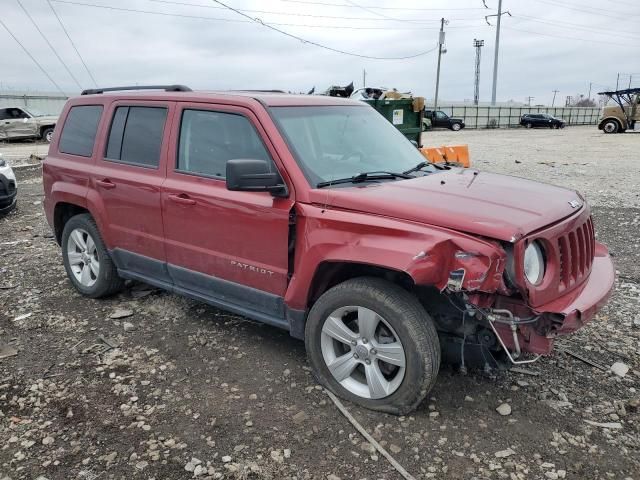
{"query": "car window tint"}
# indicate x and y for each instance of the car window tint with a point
(209, 139)
(4, 114)
(136, 135)
(79, 131)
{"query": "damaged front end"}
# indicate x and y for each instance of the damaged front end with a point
(501, 309)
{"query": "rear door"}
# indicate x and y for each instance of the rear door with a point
(127, 177)
(232, 246)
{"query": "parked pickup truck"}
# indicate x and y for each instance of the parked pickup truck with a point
(316, 215)
(18, 123)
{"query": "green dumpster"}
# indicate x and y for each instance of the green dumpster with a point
(402, 114)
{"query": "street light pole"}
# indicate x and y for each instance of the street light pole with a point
(440, 44)
(495, 56)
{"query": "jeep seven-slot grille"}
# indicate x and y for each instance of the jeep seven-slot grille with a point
(576, 255)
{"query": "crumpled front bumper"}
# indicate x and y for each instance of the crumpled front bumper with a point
(567, 313)
(581, 305)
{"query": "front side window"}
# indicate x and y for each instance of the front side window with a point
(331, 142)
(441, 115)
(209, 139)
(136, 135)
(79, 131)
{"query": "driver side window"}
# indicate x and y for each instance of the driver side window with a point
(441, 115)
(209, 139)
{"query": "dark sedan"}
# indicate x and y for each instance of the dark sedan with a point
(545, 120)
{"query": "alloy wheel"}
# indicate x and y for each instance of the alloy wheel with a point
(83, 257)
(363, 352)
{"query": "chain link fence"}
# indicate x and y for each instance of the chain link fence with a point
(507, 117)
(49, 104)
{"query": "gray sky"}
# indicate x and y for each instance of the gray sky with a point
(545, 45)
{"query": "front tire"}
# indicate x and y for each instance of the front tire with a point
(372, 343)
(86, 259)
(47, 135)
(528, 125)
(610, 126)
(456, 127)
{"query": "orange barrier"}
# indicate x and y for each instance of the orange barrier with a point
(456, 154)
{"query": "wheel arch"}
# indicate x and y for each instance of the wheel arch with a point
(46, 127)
(331, 273)
(621, 124)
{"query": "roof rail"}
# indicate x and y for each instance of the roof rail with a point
(259, 91)
(166, 88)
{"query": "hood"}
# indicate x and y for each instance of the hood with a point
(454, 119)
(481, 203)
(47, 119)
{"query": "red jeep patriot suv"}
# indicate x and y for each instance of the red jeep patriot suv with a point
(314, 214)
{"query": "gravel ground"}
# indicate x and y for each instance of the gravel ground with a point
(20, 153)
(149, 385)
(603, 167)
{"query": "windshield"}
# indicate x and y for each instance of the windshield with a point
(332, 142)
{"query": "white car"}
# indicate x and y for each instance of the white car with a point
(20, 122)
(8, 188)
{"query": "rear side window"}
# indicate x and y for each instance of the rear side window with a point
(209, 139)
(80, 128)
(136, 135)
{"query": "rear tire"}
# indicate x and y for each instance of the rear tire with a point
(400, 325)
(87, 260)
(611, 126)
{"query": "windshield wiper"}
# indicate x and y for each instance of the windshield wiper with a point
(421, 165)
(365, 177)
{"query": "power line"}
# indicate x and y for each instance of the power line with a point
(71, 41)
(583, 9)
(218, 19)
(296, 14)
(32, 58)
(567, 38)
(562, 24)
(55, 52)
(290, 35)
(327, 4)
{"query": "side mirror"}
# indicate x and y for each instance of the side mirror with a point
(247, 175)
(25, 120)
(414, 143)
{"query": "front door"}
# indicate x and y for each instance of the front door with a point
(16, 124)
(229, 247)
(127, 178)
(441, 119)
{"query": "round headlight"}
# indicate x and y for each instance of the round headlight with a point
(534, 263)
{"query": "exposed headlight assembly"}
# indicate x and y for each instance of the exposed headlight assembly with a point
(534, 263)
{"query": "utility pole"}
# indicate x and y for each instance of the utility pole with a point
(568, 101)
(364, 78)
(497, 48)
(478, 44)
(440, 52)
(554, 97)
(529, 100)
(617, 81)
(495, 56)
(590, 84)
(630, 77)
